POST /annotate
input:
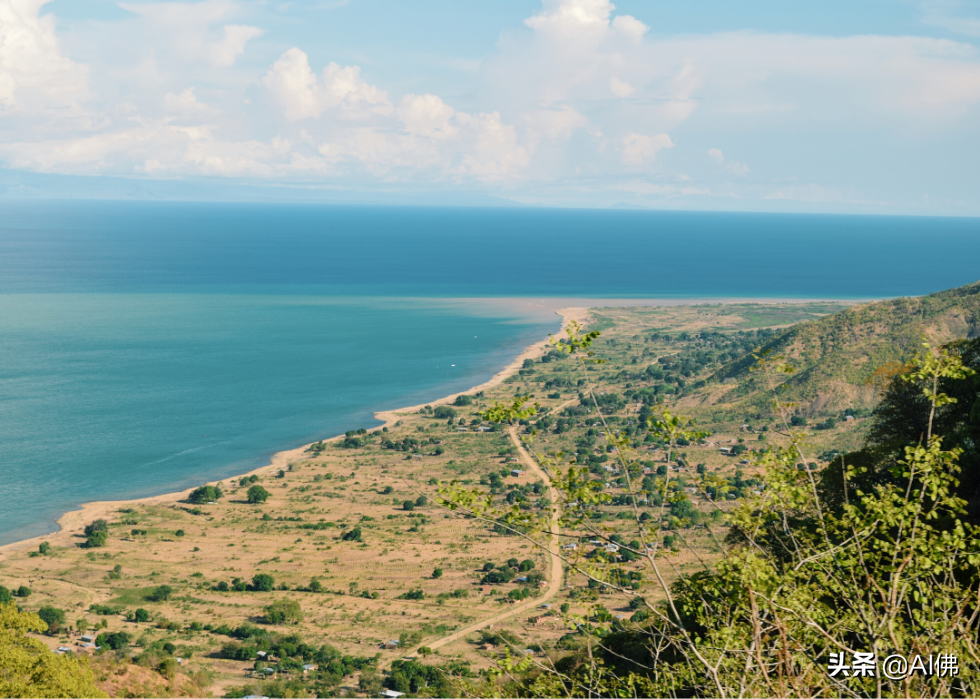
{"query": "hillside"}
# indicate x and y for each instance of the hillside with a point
(836, 356)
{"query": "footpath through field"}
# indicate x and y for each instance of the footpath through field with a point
(557, 572)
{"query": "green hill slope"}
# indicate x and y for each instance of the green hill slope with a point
(836, 357)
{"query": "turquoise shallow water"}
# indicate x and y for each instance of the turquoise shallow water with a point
(147, 347)
(114, 396)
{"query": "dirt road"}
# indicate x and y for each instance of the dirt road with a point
(556, 571)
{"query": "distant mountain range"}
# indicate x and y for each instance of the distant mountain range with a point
(839, 357)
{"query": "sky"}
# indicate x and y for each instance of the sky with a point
(856, 106)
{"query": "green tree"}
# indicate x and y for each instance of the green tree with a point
(408, 505)
(892, 565)
(257, 494)
(284, 611)
(141, 616)
(352, 534)
(437, 573)
(53, 617)
(44, 548)
(96, 533)
(113, 640)
(263, 582)
(29, 669)
(205, 494)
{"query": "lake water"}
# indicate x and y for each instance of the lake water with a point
(148, 347)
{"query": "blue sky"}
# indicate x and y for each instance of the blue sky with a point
(854, 107)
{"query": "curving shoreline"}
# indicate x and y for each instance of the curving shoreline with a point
(72, 523)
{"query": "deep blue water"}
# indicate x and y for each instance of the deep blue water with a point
(147, 347)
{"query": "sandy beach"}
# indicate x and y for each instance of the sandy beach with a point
(72, 523)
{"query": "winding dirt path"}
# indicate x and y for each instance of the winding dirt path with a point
(556, 569)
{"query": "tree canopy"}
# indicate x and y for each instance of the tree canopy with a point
(257, 494)
(205, 494)
(29, 669)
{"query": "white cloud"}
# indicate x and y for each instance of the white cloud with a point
(947, 14)
(225, 51)
(187, 29)
(492, 152)
(638, 148)
(301, 95)
(35, 77)
(733, 166)
(571, 15)
(186, 102)
(557, 123)
(293, 84)
(620, 88)
(576, 91)
(426, 115)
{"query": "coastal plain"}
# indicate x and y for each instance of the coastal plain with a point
(414, 573)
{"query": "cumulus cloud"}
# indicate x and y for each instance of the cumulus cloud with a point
(302, 95)
(35, 77)
(427, 115)
(576, 90)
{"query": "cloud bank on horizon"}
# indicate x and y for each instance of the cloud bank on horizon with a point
(579, 104)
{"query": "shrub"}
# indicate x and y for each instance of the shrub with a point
(413, 594)
(160, 594)
(408, 505)
(444, 412)
(284, 611)
(141, 616)
(352, 535)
